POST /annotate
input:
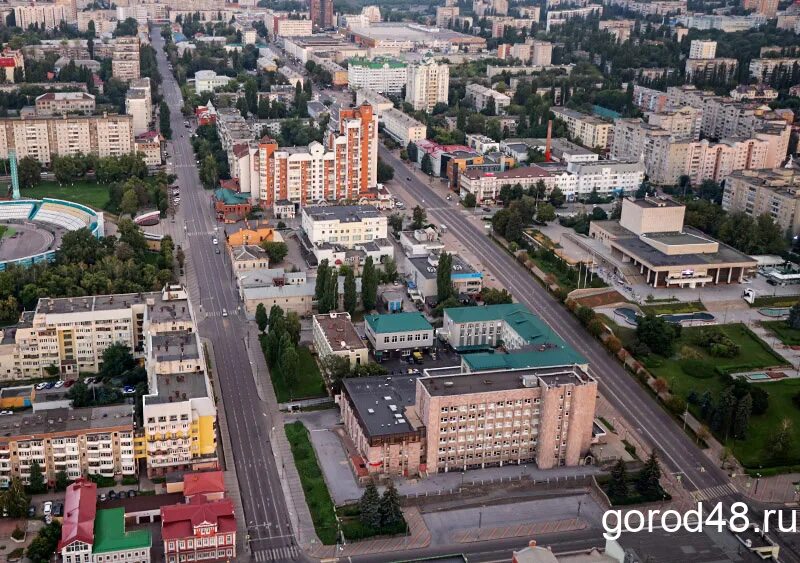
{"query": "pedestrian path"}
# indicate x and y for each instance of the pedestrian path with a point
(277, 554)
(711, 493)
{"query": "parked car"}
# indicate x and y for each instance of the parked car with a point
(128, 390)
(69, 383)
(47, 508)
(112, 494)
(103, 497)
(40, 386)
(59, 384)
(50, 385)
(132, 493)
(32, 511)
(58, 509)
(89, 380)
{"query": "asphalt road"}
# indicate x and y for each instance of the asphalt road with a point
(248, 417)
(678, 452)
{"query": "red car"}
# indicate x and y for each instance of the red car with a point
(69, 383)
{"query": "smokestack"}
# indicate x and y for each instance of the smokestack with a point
(549, 140)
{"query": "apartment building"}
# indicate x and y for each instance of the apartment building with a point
(335, 335)
(707, 68)
(283, 26)
(382, 75)
(754, 93)
(404, 128)
(81, 442)
(149, 145)
(763, 70)
(702, 49)
(208, 81)
(773, 192)
(47, 16)
(648, 99)
(684, 123)
(41, 137)
(479, 96)
(427, 84)
(346, 225)
(501, 23)
(105, 21)
(607, 177)
(558, 17)
(379, 103)
(125, 59)
(138, 107)
(321, 13)
(620, 29)
(445, 15)
(64, 103)
(453, 420)
(588, 130)
(343, 168)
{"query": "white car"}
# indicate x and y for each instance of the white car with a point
(58, 384)
(47, 508)
(214, 240)
(40, 386)
(224, 312)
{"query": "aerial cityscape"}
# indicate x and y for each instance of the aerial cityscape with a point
(392, 281)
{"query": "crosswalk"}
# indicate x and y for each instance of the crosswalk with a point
(277, 554)
(711, 493)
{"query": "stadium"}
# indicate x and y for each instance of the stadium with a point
(34, 228)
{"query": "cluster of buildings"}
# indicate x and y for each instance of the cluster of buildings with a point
(178, 427)
(201, 526)
(738, 135)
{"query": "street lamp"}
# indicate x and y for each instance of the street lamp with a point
(758, 480)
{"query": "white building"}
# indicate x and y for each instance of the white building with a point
(346, 225)
(588, 130)
(479, 96)
(427, 84)
(482, 143)
(48, 16)
(208, 81)
(139, 105)
(403, 127)
(335, 335)
(702, 49)
(385, 76)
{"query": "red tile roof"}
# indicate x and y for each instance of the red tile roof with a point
(80, 507)
(7, 62)
(203, 483)
(180, 520)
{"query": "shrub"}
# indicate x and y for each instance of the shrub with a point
(696, 368)
(595, 327)
(676, 404)
(643, 376)
(613, 344)
(717, 344)
(689, 353)
(585, 315)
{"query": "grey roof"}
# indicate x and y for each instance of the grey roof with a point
(377, 394)
(656, 258)
(179, 345)
(95, 303)
(502, 380)
(342, 213)
(65, 420)
(280, 291)
(429, 271)
(174, 387)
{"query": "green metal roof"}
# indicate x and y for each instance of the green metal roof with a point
(230, 197)
(377, 62)
(483, 313)
(529, 359)
(110, 534)
(397, 322)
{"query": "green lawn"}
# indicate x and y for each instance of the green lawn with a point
(776, 301)
(316, 491)
(754, 354)
(672, 308)
(88, 193)
(626, 334)
(789, 336)
(309, 380)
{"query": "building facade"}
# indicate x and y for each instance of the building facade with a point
(199, 530)
(479, 96)
(63, 103)
(398, 334)
(334, 335)
(428, 84)
(772, 192)
(125, 59)
(588, 130)
(385, 76)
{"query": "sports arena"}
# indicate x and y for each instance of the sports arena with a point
(34, 228)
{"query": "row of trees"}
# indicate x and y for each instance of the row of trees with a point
(746, 234)
(380, 512)
(647, 485)
(728, 412)
(213, 158)
(281, 342)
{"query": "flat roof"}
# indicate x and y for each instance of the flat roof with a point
(678, 238)
(64, 420)
(537, 357)
(62, 305)
(175, 387)
(649, 254)
(655, 202)
(406, 31)
(502, 380)
(373, 399)
(339, 331)
(398, 322)
(428, 270)
(341, 213)
(110, 534)
(178, 345)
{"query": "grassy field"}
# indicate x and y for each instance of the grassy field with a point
(87, 193)
(672, 308)
(626, 334)
(776, 301)
(789, 336)
(754, 354)
(309, 380)
(316, 491)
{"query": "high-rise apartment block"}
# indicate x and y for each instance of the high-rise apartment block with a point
(445, 15)
(125, 59)
(139, 105)
(47, 16)
(343, 168)
(321, 12)
(773, 192)
(702, 49)
(427, 84)
(41, 137)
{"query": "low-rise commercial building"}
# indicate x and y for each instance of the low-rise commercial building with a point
(346, 225)
(247, 257)
(421, 272)
(398, 334)
(772, 192)
(292, 291)
(208, 81)
(199, 530)
(334, 335)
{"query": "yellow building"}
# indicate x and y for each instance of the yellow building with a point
(254, 236)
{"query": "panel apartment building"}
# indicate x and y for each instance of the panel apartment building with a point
(41, 137)
(345, 167)
(427, 84)
(125, 59)
(774, 192)
(589, 130)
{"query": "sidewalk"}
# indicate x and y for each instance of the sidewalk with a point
(526, 530)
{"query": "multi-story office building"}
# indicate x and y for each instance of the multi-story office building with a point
(63, 103)
(41, 137)
(80, 442)
(382, 75)
(47, 16)
(588, 130)
(346, 225)
(334, 335)
(773, 192)
(702, 49)
(125, 59)
(344, 168)
(321, 13)
(479, 96)
(404, 128)
(283, 26)
(427, 84)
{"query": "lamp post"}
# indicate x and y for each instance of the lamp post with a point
(758, 480)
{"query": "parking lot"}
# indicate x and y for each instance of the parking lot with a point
(444, 358)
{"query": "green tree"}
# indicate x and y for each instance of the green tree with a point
(209, 173)
(741, 420)
(251, 95)
(493, 296)
(36, 482)
(618, 483)
(370, 506)
(62, 481)
(391, 514)
(30, 172)
(396, 222)
(293, 327)
(418, 218)
(658, 334)
(723, 414)
(289, 362)
(350, 295)
(45, 543)
(794, 316)
(130, 203)
(545, 213)
(15, 499)
(444, 277)
(413, 152)
(780, 444)
(513, 230)
(369, 285)
(79, 394)
(262, 319)
(276, 251)
(263, 108)
(322, 279)
(389, 270)
(163, 120)
(427, 164)
(470, 200)
(648, 483)
(385, 171)
(116, 360)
